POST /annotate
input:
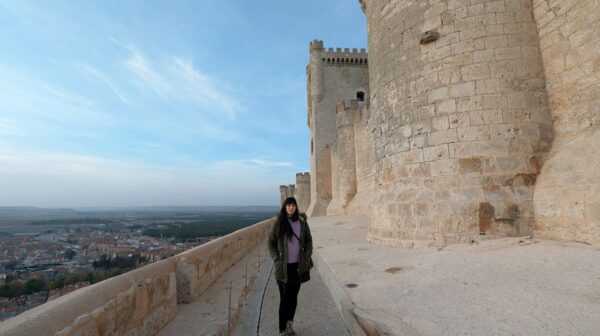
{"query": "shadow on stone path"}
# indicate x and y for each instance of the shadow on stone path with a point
(316, 314)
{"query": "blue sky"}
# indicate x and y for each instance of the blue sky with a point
(136, 103)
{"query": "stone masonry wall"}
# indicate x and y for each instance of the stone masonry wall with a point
(286, 191)
(303, 191)
(363, 143)
(459, 124)
(343, 162)
(333, 75)
(567, 193)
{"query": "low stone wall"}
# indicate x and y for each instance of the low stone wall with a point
(142, 301)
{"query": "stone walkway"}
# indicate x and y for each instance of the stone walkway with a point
(511, 286)
(316, 314)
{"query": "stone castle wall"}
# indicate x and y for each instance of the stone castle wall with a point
(567, 193)
(343, 162)
(300, 191)
(460, 122)
(303, 191)
(333, 75)
(286, 191)
(481, 118)
(364, 150)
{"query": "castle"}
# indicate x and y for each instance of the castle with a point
(300, 190)
(468, 119)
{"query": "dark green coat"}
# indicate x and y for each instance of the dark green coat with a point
(278, 250)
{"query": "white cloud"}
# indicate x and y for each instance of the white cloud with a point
(33, 101)
(10, 127)
(66, 96)
(104, 78)
(251, 163)
(176, 79)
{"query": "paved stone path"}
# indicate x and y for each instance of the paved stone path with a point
(316, 314)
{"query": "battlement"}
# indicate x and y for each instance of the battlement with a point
(345, 57)
(315, 45)
(303, 178)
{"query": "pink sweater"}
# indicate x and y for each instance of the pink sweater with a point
(293, 243)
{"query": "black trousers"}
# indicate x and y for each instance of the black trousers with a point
(288, 295)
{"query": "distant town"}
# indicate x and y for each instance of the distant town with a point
(45, 254)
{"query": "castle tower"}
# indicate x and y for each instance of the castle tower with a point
(283, 192)
(286, 191)
(567, 192)
(332, 76)
(303, 191)
(343, 161)
(460, 119)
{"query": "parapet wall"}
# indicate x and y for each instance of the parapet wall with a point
(142, 301)
(345, 57)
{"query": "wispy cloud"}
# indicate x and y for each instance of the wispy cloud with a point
(36, 102)
(10, 127)
(65, 95)
(89, 70)
(256, 163)
(176, 79)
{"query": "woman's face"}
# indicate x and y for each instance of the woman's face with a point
(290, 208)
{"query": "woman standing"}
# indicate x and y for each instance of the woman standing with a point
(290, 246)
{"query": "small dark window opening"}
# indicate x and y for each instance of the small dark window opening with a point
(360, 96)
(311, 147)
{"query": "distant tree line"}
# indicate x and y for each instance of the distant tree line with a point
(74, 221)
(193, 230)
(34, 285)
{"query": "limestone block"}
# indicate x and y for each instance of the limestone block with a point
(187, 283)
(446, 107)
(435, 152)
(443, 167)
(440, 123)
(462, 89)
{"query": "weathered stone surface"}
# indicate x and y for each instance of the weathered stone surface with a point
(566, 193)
(487, 60)
(508, 91)
(333, 76)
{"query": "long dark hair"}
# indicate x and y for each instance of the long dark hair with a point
(285, 229)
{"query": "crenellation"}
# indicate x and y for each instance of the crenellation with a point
(346, 57)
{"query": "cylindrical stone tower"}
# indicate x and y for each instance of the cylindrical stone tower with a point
(460, 119)
(343, 160)
(567, 193)
(321, 138)
(303, 191)
(282, 193)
